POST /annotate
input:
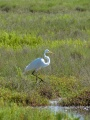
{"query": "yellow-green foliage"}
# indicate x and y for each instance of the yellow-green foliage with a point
(60, 87)
(15, 40)
(48, 19)
(82, 98)
(26, 30)
(27, 113)
(21, 98)
(67, 74)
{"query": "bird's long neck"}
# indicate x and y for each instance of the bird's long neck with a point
(48, 60)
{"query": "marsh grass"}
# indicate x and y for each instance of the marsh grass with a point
(69, 65)
(26, 30)
(51, 20)
(82, 98)
(27, 113)
(69, 56)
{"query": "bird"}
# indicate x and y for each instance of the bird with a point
(37, 64)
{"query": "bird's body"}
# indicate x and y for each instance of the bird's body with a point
(38, 64)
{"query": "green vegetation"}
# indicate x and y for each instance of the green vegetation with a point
(52, 20)
(28, 113)
(27, 28)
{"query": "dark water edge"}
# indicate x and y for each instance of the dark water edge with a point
(82, 112)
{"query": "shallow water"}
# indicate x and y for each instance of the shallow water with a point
(83, 112)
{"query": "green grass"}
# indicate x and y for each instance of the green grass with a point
(69, 55)
(27, 113)
(53, 20)
(82, 98)
(69, 69)
(27, 28)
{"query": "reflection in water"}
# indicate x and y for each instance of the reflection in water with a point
(83, 112)
(75, 111)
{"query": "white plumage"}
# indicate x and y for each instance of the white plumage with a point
(38, 64)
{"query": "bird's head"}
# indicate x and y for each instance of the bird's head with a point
(47, 51)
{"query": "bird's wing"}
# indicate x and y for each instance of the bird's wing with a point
(35, 65)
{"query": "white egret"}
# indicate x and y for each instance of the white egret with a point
(37, 64)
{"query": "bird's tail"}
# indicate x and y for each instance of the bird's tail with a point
(25, 71)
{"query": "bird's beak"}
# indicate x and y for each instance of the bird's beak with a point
(51, 52)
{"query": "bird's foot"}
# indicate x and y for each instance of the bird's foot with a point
(41, 80)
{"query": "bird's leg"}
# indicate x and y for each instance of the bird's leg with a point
(41, 80)
(33, 73)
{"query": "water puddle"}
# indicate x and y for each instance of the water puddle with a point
(83, 112)
(75, 111)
